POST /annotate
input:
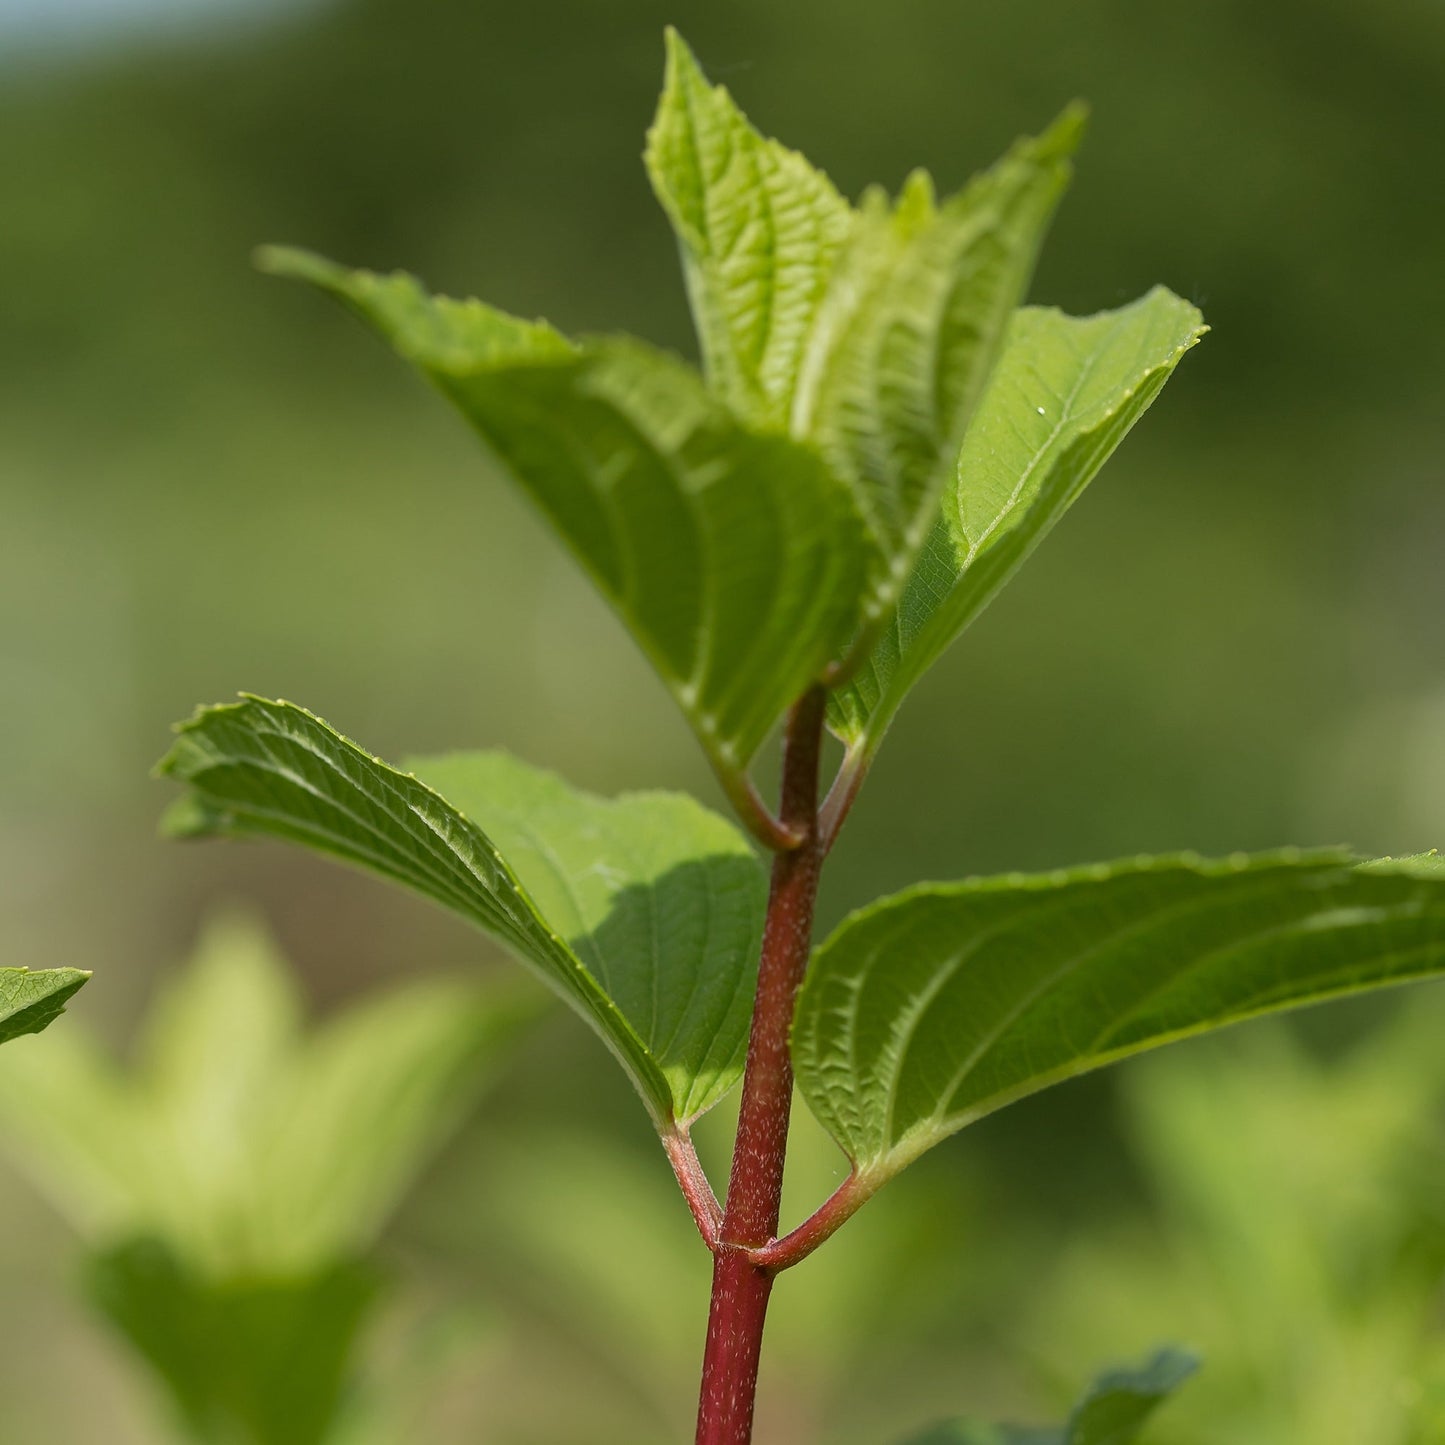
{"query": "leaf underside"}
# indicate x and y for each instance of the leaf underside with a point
(651, 869)
(732, 555)
(935, 1007)
(1064, 394)
(1113, 1411)
(30, 1001)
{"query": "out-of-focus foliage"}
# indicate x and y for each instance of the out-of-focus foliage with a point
(230, 1185)
(1295, 1235)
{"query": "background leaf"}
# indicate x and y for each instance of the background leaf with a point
(30, 1001)
(735, 557)
(661, 899)
(247, 1362)
(939, 1005)
(1117, 1406)
(1064, 394)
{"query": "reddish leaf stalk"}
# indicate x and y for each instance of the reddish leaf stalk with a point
(750, 1220)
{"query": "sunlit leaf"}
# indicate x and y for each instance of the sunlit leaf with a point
(645, 913)
(30, 1001)
(935, 1007)
(661, 899)
(1064, 394)
(760, 230)
(1117, 1406)
(734, 556)
(909, 330)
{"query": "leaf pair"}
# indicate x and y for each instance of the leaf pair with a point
(1113, 1411)
(32, 1001)
(745, 528)
(644, 914)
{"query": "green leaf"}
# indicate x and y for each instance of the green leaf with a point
(1064, 394)
(760, 230)
(910, 329)
(248, 1362)
(1117, 1406)
(660, 899)
(31, 1001)
(653, 904)
(735, 557)
(252, 1149)
(941, 1004)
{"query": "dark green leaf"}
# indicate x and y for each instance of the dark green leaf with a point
(931, 1009)
(734, 556)
(247, 1361)
(1115, 1409)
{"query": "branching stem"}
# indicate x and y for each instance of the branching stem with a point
(696, 1189)
(750, 1220)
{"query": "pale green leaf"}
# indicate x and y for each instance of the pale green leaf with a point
(661, 900)
(937, 1006)
(29, 1001)
(1116, 1408)
(734, 556)
(627, 887)
(909, 330)
(250, 1148)
(1064, 394)
(759, 229)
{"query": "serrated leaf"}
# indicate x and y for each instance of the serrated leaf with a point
(759, 230)
(254, 1362)
(661, 899)
(1064, 394)
(735, 557)
(1113, 1411)
(608, 874)
(30, 1001)
(252, 1148)
(910, 329)
(935, 1007)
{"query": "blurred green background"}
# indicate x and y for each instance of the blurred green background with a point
(210, 481)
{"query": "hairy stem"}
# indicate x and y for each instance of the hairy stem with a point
(750, 1220)
(845, 1201)
(693, 1181)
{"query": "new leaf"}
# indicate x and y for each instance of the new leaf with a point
(935, 1007)
(643, 914)
(734, 556)
(869, 332)
(1064, 394)
(30, 1001)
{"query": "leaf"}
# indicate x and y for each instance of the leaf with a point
(760, 230)
(1115, 1409)
(1064, 394)
(910, 329)
(735, 557)
(30, 1001)
(273, 769)
(248, 1146)
(662, 901)
(255, 1362)
(937, 1006)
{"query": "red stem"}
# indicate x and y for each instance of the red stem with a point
(695, 1187)
(845, 1201)
(740, 1287)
